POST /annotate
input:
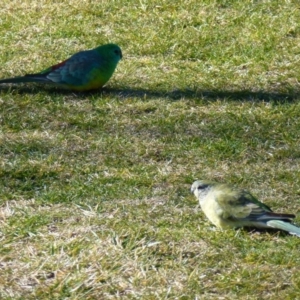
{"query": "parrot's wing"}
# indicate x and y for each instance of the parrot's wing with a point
(240, 204)
(77, 70)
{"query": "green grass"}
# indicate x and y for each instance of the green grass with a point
(94, 187)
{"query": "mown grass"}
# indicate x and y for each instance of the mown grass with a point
(94, 188)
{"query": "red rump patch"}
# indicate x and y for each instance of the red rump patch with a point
(58, 65)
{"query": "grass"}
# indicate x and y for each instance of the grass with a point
(94, 189)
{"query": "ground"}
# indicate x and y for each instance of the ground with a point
(95, 198)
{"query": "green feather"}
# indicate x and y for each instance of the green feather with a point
(290, 228)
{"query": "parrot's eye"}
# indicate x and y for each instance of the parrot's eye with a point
(118, 52)
(202, 186)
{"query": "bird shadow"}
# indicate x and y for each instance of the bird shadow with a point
(253, 230)
(290, 95)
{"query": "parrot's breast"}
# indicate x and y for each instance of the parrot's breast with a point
(92, 84)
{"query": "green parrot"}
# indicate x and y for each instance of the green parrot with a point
(83, 71)
(229, 207)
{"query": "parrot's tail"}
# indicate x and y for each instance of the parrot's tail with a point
(26, 78)
(290, 228)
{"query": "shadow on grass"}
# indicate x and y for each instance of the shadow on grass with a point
(209, 95)
(272, 231)
(290, 95)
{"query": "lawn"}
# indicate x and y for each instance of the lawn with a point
(95, 198)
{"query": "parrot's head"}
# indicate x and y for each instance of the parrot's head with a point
(200, 188)
(111, 52)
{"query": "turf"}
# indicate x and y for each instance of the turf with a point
(94, 187)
